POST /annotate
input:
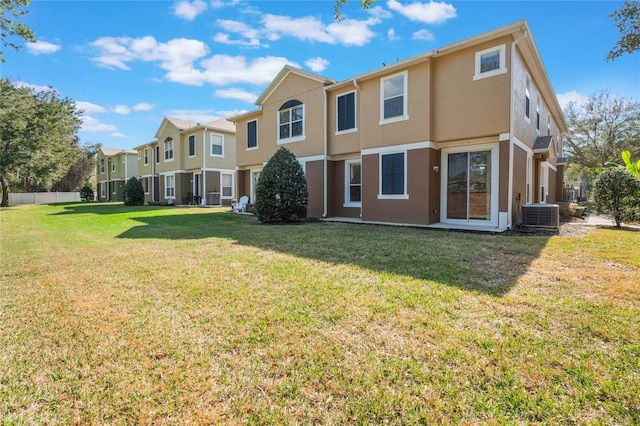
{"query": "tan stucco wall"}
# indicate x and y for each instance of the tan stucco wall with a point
(464, 108)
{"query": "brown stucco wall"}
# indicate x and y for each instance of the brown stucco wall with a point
(519, 183)
(315, 186)
(422, 187)
(336, 184)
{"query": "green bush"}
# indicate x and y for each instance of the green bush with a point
(86, 193)
(616, 192)
(281, 192)
(133, 192)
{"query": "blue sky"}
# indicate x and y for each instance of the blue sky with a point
(128, 64)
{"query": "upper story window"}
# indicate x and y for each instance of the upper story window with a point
(192, 145)
(113, 164)
(291, 122)
(346, 112)
(490, 62)
(538, 116)
(217, 145)
(157, 153)
(102, 165)
(168, 149)
(146, 156)
(252, 134)
(393, 102)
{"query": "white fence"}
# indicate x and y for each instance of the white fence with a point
(43, 197)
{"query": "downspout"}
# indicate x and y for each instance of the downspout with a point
(126, 167)
(325, 194)
(153, 173)
(203, 190)
(108, 180)
(358, 93)
(511, 133)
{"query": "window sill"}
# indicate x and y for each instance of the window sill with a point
(346, 131)
(393, 196)
(488, 74)
(354, 205)
(291, 140)
(253, 148)
(393, 120)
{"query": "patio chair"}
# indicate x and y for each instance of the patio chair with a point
(240, 206)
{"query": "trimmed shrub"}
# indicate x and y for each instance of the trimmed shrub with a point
(281, 192)
(616, 192)
(133, 192)
(86, 193)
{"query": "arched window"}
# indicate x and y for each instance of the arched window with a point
(291, 121)
(168, 149)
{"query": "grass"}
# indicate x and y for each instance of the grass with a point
(118, 315)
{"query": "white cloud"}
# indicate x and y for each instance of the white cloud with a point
(317, 64)
(423, 35)
(143, 106)
(218, 4)
(251, 36)
(565, 98)
(90, 108)
(429, 13)
(391, 35)
(121, 109)
(225, 69)
(34, 87)
(189, 10)
(42, 47)
(379, 12)
(90, 124)
(346, 32)
(236, 93)
(118, 135)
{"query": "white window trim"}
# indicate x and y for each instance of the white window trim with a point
(173, 152)
(146, 156)
(252, 188)
(195, 146)
(167, 197)
(253, 148)
(211, 154)
(355, 113)
(347, 184)
(233, 189)
(304, 127)
(503, 63)
(405, 103)
(103, 190)
(529, 179)
(495, 183)
(404, 195)
(544, 181)
(113, 165)
(527, 94)
(147, 180)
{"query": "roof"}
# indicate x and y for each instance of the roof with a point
(562, 161)
(110, 152)
(542, 144)
(181, 124)
(222, 124)
(286, 70)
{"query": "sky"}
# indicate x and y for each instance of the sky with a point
(128, 64)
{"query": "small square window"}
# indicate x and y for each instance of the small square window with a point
(490, 62)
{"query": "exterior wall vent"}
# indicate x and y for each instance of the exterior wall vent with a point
(541, 215)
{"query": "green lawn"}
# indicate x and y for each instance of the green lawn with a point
(150, 315)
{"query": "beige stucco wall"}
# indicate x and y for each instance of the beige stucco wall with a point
(464, 108)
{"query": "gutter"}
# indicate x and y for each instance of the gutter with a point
(511, 133)
(325, 191)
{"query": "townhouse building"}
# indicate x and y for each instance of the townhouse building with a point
(459, 137)
(113, 168)
(189, 163)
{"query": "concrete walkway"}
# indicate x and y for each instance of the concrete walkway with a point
(598, 220)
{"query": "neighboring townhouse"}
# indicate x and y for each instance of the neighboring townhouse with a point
(114, 167)
(190, 163)
(460, 137)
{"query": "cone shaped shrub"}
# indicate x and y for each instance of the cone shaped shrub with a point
(281, 192)
(133, 192)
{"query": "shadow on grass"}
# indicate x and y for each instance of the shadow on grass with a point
(102, 208)
(489, 264)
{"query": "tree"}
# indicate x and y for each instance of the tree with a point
(600, 129)
(630, 165)
(38, 140)
(616, 192)
(81, 170)
(9, 27)
(133, 192)
(627, 19)
(281, 191)
(337, 11)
